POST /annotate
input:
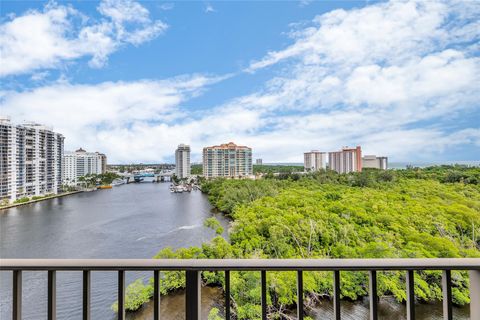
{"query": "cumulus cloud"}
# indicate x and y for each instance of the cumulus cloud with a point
(122, 118)
(394, 77)
(60, 33)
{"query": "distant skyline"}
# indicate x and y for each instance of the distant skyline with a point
(135, 79)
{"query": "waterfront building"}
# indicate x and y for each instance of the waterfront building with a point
(227, 160)
(314, 160)
(30, 160)
(371, 161)
(80, 163)
(182, 161)
(259, 162)
(347, 160)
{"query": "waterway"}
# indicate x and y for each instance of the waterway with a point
(129, 221)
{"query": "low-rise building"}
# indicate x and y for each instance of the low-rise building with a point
(371, 161)
(347, 160)
(227, 160)
(314, 160)
(80, 163)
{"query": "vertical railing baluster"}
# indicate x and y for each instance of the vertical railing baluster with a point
(373, 295)
(156, 294)
(474, 294)
(193, 295)
(52, 295)
(264, 294)
(121, 295)
(300, 295)
(17, 295)
(86, 295)
(336, 295)
(227, 294)
(447, 294)
(410, 280)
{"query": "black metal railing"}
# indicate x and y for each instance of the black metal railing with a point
(193, 270)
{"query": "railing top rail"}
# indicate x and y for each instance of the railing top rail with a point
(241, 264)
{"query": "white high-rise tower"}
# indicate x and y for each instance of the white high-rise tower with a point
(182, 161)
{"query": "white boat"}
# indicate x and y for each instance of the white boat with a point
(117, 182)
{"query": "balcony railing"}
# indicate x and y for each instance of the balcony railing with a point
(193, 270)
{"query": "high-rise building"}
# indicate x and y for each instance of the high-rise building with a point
(259, 162)
(370, 161)
(182, 161)
(80, 163)
(30, 160)
(314, 160)
(227, 160)
(347, 160)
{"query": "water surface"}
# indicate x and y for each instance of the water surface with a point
(129, 221)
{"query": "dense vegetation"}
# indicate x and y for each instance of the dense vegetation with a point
(92, 180)
(269, 168)
(197, 169)
(433, 212)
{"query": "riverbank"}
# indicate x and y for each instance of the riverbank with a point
(13, 205)
(131, 221)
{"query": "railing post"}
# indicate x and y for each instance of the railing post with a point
(52, 295)
(263, 275)
(193, 295)
(121, 295)
(156, 294)
(227, 294)
(86, 294)
(336, 295)
(17, 295)
(410, 295)
(300, 295)
(474, 294)
(447, 294)
(373, 295)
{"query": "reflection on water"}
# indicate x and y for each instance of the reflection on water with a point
(129, 221)
(172, 306)
(388, 309)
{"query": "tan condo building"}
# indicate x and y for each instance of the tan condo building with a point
(371, 161)
(347, 160)
(227, 160)
(314, 160)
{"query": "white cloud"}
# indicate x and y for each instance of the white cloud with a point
(394, 77)
(60, 33)
(167, 6)
(97, 116)
(209, 8)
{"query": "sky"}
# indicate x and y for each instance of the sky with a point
(134, 79)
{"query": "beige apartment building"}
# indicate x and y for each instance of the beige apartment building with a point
(347, 160)
(371, 161)
(227, 160)
(314, 160)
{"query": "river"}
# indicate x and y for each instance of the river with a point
(129, 221)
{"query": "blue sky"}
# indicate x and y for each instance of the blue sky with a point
(134, 79)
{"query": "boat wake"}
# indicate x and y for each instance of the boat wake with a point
(188, 227)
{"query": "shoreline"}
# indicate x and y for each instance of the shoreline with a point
(13, 205)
